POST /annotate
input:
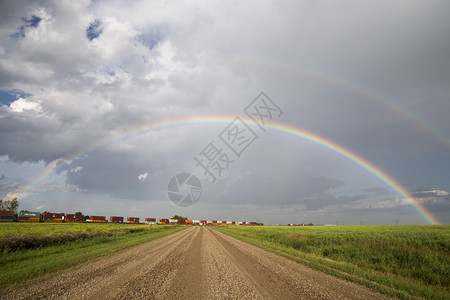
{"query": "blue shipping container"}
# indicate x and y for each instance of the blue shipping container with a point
(6, 218)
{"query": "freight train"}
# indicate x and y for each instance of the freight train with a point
(26, 216)
(205, 222)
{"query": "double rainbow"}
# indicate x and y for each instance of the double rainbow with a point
(279, 127)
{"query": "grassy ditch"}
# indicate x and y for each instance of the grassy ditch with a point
(20, 264)
(401, 261)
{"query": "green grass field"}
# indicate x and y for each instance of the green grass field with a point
(398, 260)
(21, 264)
(8, 229)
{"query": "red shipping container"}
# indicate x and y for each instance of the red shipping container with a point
(150, 219)
(133, 220)
(52, 215)
(116, 219)
(6, 213)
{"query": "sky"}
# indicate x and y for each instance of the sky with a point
(278, 111)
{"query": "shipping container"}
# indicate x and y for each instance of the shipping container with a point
(195, 222)
(6, 219)
(203, 222)
(133, 220)
(188, 221)
(73, 218)
(114, 219)
(173, 221)
(52, 215)
(163, 221)
(6, 213)
(150, 219)
(97, 219)
(29, 214)
(181, 222)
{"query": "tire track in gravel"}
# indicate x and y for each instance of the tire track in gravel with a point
(196, 263)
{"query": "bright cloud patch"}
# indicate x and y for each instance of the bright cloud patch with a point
(22, 104)
(142, 177)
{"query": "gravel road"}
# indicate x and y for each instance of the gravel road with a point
(196, 263)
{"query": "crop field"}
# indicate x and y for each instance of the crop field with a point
(31, 249)
(397, 260)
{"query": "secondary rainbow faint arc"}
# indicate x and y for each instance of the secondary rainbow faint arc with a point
(354, 88)
(291, 130)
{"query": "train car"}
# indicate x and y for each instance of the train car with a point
(28, 216)
(173, 221)
(133, 220)
(163, 221)
(6, 216)
(189, 222)
(73, 218)
(181, 222)
(150, 221)
(224, 222)
(115, 219)
(209, 222)
(195, 222)
(203, 222)
(229, 222)
(97, 219)
(214, 222)
(52, 217)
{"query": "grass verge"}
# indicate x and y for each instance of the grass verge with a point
(400, 261)
(28, 263)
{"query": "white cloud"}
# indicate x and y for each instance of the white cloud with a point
(142, 177)
(23, 104)
(436, 192)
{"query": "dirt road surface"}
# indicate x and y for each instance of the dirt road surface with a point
(196, 263)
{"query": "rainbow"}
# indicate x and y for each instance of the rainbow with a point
(364, 92)
(279, 127)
